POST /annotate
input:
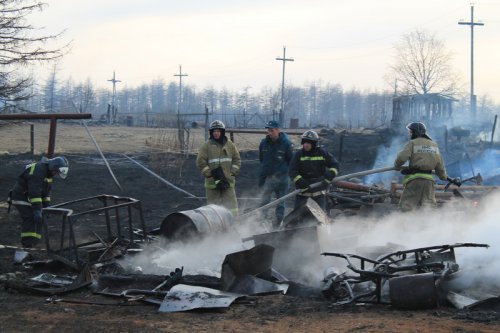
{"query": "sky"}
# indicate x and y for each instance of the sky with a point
(235, 43)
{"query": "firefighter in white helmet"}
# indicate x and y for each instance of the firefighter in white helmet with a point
(32, 193)
(219, 162)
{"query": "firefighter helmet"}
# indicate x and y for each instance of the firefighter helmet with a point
(217, 124)
(59, 164)
(418, 129)
(310, 136)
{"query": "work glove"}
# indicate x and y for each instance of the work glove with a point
(455, 181)
(222, 184)
(302, 184)
(329, 175)
(217, 173)
(37, 216)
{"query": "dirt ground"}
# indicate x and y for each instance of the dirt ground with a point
(23, 312)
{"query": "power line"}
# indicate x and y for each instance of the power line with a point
(472, 24)
(113, 110)
(282, 111)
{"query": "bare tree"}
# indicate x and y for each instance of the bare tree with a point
(422, 65)
(19, 46)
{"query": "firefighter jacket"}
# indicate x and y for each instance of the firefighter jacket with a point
(275, 156)
(212, 154)
(312, 166)
(33, 186)
(424, 157)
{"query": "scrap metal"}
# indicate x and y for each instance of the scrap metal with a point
(68, 246)
(411, 277)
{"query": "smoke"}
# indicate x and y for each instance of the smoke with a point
(456, 222)
(386, 155)
(487, 164)
(199, 255)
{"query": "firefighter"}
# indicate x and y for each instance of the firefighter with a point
(310, 165)
(275, 154)
(31, 193)
(424, 157)
(219, 162)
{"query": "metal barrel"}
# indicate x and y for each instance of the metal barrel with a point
(200, 221)
(416, 291)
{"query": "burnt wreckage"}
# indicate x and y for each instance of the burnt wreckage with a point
(409, 279)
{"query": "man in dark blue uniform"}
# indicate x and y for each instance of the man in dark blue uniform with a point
(275, 154)
(32, 192)
(310, 165)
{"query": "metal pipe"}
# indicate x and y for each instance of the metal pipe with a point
(32, 139)
(53, 123)
(52, 137)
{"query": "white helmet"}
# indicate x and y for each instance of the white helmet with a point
(217, 124)
(59, 164)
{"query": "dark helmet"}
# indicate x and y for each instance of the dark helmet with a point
(59, 164)
(272, 124)
(310, 136)
(417, 129)
(217, 124)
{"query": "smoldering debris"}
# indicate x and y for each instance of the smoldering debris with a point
(386, 261)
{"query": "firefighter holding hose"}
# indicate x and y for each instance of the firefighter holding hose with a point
(219, 162)
(424, 158)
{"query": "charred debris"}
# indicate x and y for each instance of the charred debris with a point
(89, 241)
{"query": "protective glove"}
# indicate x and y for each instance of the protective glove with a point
(217, 173)
(302, 184)
(329, 175)
(37, 216)
(222, 184)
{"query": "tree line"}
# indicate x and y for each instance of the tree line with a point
(312, 105)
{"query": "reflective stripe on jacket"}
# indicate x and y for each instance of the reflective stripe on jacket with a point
(212, 154)
(33, 185)
(422, 154)
(312, 165)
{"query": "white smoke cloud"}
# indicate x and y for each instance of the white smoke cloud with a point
(455, 222)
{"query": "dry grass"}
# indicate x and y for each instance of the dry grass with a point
(73, 138)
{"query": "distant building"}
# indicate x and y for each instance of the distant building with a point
(433, 109)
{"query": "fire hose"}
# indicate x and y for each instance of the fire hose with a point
(315, 185)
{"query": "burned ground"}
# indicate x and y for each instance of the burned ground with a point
(273, 313)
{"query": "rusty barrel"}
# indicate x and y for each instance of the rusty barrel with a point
(196, 222)
(415, 291)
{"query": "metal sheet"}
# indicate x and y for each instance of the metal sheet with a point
(184, 298)
(251, 285)
(256, 261)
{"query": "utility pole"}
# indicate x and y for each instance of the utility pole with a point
(282, 111)
(472, 24)
(180, 131)
(113, 110)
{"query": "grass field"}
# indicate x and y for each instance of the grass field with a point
(73, 138)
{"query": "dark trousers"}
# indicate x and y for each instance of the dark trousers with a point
(278, 187)
(301, 200)
(31, 232)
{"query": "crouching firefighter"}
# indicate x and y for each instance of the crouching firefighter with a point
(309, 165)
(219, 162)
(31, 193)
